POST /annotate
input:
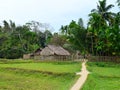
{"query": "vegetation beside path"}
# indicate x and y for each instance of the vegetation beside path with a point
(103, 76)
(23, 75)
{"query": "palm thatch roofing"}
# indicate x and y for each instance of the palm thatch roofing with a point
(54, 50)
(37, 52)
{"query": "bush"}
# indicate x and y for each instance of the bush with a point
(11, 53)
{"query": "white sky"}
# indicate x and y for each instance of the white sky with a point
(54, 12)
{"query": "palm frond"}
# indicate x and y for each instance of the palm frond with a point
(109, 7)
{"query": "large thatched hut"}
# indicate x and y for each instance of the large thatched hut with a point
(52, 52)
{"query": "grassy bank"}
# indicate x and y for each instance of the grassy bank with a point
(103, 76)
(20, 75)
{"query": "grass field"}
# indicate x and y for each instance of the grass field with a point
(30, 75)
(103, 76)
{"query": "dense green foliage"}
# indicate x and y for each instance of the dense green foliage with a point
(102, 36)
(75, 34)
(103, 76)
(18, 40)
(36, 76)
(104, 30)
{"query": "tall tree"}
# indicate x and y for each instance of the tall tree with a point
(48, 36)
(6, 27)
(103, 10)
(103, 26)
(76, 34)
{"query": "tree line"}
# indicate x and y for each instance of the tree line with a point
(100, 37)
(18, 40)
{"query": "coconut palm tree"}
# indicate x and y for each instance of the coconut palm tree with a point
(99, 21)
(103, 10)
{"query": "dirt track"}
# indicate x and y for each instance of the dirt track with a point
(83, 76)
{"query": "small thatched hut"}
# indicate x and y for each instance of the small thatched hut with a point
(52, 52)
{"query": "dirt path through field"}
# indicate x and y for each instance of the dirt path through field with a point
(83, 76)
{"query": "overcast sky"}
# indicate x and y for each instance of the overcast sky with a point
(54, 12)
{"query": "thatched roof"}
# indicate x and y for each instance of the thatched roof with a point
(54, 50)
(37, 52)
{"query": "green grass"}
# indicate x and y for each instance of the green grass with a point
(47, 67)
(103, 76)
(20, 75)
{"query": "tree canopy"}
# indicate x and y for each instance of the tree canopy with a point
(18, 40)
(100, 37)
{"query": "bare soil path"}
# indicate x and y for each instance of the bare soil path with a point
(83, 76)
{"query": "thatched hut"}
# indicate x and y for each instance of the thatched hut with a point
(52, 52)
(37, 52)
(31, 55)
